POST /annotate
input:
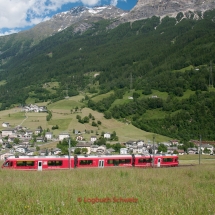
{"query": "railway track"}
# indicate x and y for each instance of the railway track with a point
(186, 165)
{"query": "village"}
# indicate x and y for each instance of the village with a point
(22, 141)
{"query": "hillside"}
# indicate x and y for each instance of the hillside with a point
(64, 114)
(169, 55)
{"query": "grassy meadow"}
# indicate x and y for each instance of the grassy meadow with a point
(64, 115)
(164, 191)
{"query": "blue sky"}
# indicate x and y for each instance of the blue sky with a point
(18, 15)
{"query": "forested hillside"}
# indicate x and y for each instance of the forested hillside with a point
(171, 55)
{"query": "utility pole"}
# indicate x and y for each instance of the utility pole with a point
(210, 76)
(200, 145)
(131, 84)
(153, 151)
(211, 73)
(69, 155)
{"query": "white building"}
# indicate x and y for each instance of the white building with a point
(94, 148)
(84, 145)
(209, 147)
(107, 135)
(5, 155)
(5, 124)
(64, 136)
(8, 132)
(123, 151)
(93, 138)
(49, 135)
(20, 149)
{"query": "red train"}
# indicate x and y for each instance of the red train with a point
(66, 162)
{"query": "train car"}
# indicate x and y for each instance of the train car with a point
(36, 162)
(166, 160)
(100, 161)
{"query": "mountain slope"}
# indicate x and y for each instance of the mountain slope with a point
(170, 55)
(81, 18)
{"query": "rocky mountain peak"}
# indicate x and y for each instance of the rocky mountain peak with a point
(80, 17)
(148, 8)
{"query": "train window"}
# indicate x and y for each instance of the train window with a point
(167, 159)
(21, 163)
(110, 162)
(140, 160)
(55, 163)
(86, 162)
(145, 160)
(115, 162)
(25, 163)
(127, 160)
(149, 160)
(30, 163)
(7, 164)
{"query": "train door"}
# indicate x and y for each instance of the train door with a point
(159, 162)
(8, 164)
(40, 166)
(101, 163)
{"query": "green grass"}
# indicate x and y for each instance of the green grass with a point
(67, 104)
(195, 157)
(30, 100)
(102, 96)
(186, 95)
(62, 123)
(62, 116)
(157, 93)
(154, 114)
(51, 86)
(182, 191)
(185, 69)
(3, 82)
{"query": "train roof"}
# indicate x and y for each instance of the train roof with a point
(88, 156)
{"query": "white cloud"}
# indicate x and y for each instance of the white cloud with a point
(16, 15)
(22, 13)
(115, 2)
(12, 31)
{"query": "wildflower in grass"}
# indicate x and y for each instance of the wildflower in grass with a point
(62, 203)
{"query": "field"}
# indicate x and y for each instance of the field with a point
(64, 115)
(120, 191)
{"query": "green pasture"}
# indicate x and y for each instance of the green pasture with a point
(154, 114)
(158, 191)
(51, 86)
(67, 122)
(62, 123)
(33, 120)
(186, 95)
(101, 96)
(13, 116)
(30, 100)
(188, 68)
(3, 82)
(67, 104)
(195, 159)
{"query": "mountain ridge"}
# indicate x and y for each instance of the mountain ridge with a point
(83, 18)
(169, 56)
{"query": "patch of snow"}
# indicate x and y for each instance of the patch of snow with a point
(123, 14)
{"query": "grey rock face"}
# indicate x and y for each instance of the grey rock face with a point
(80, 17)
(148, 8)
